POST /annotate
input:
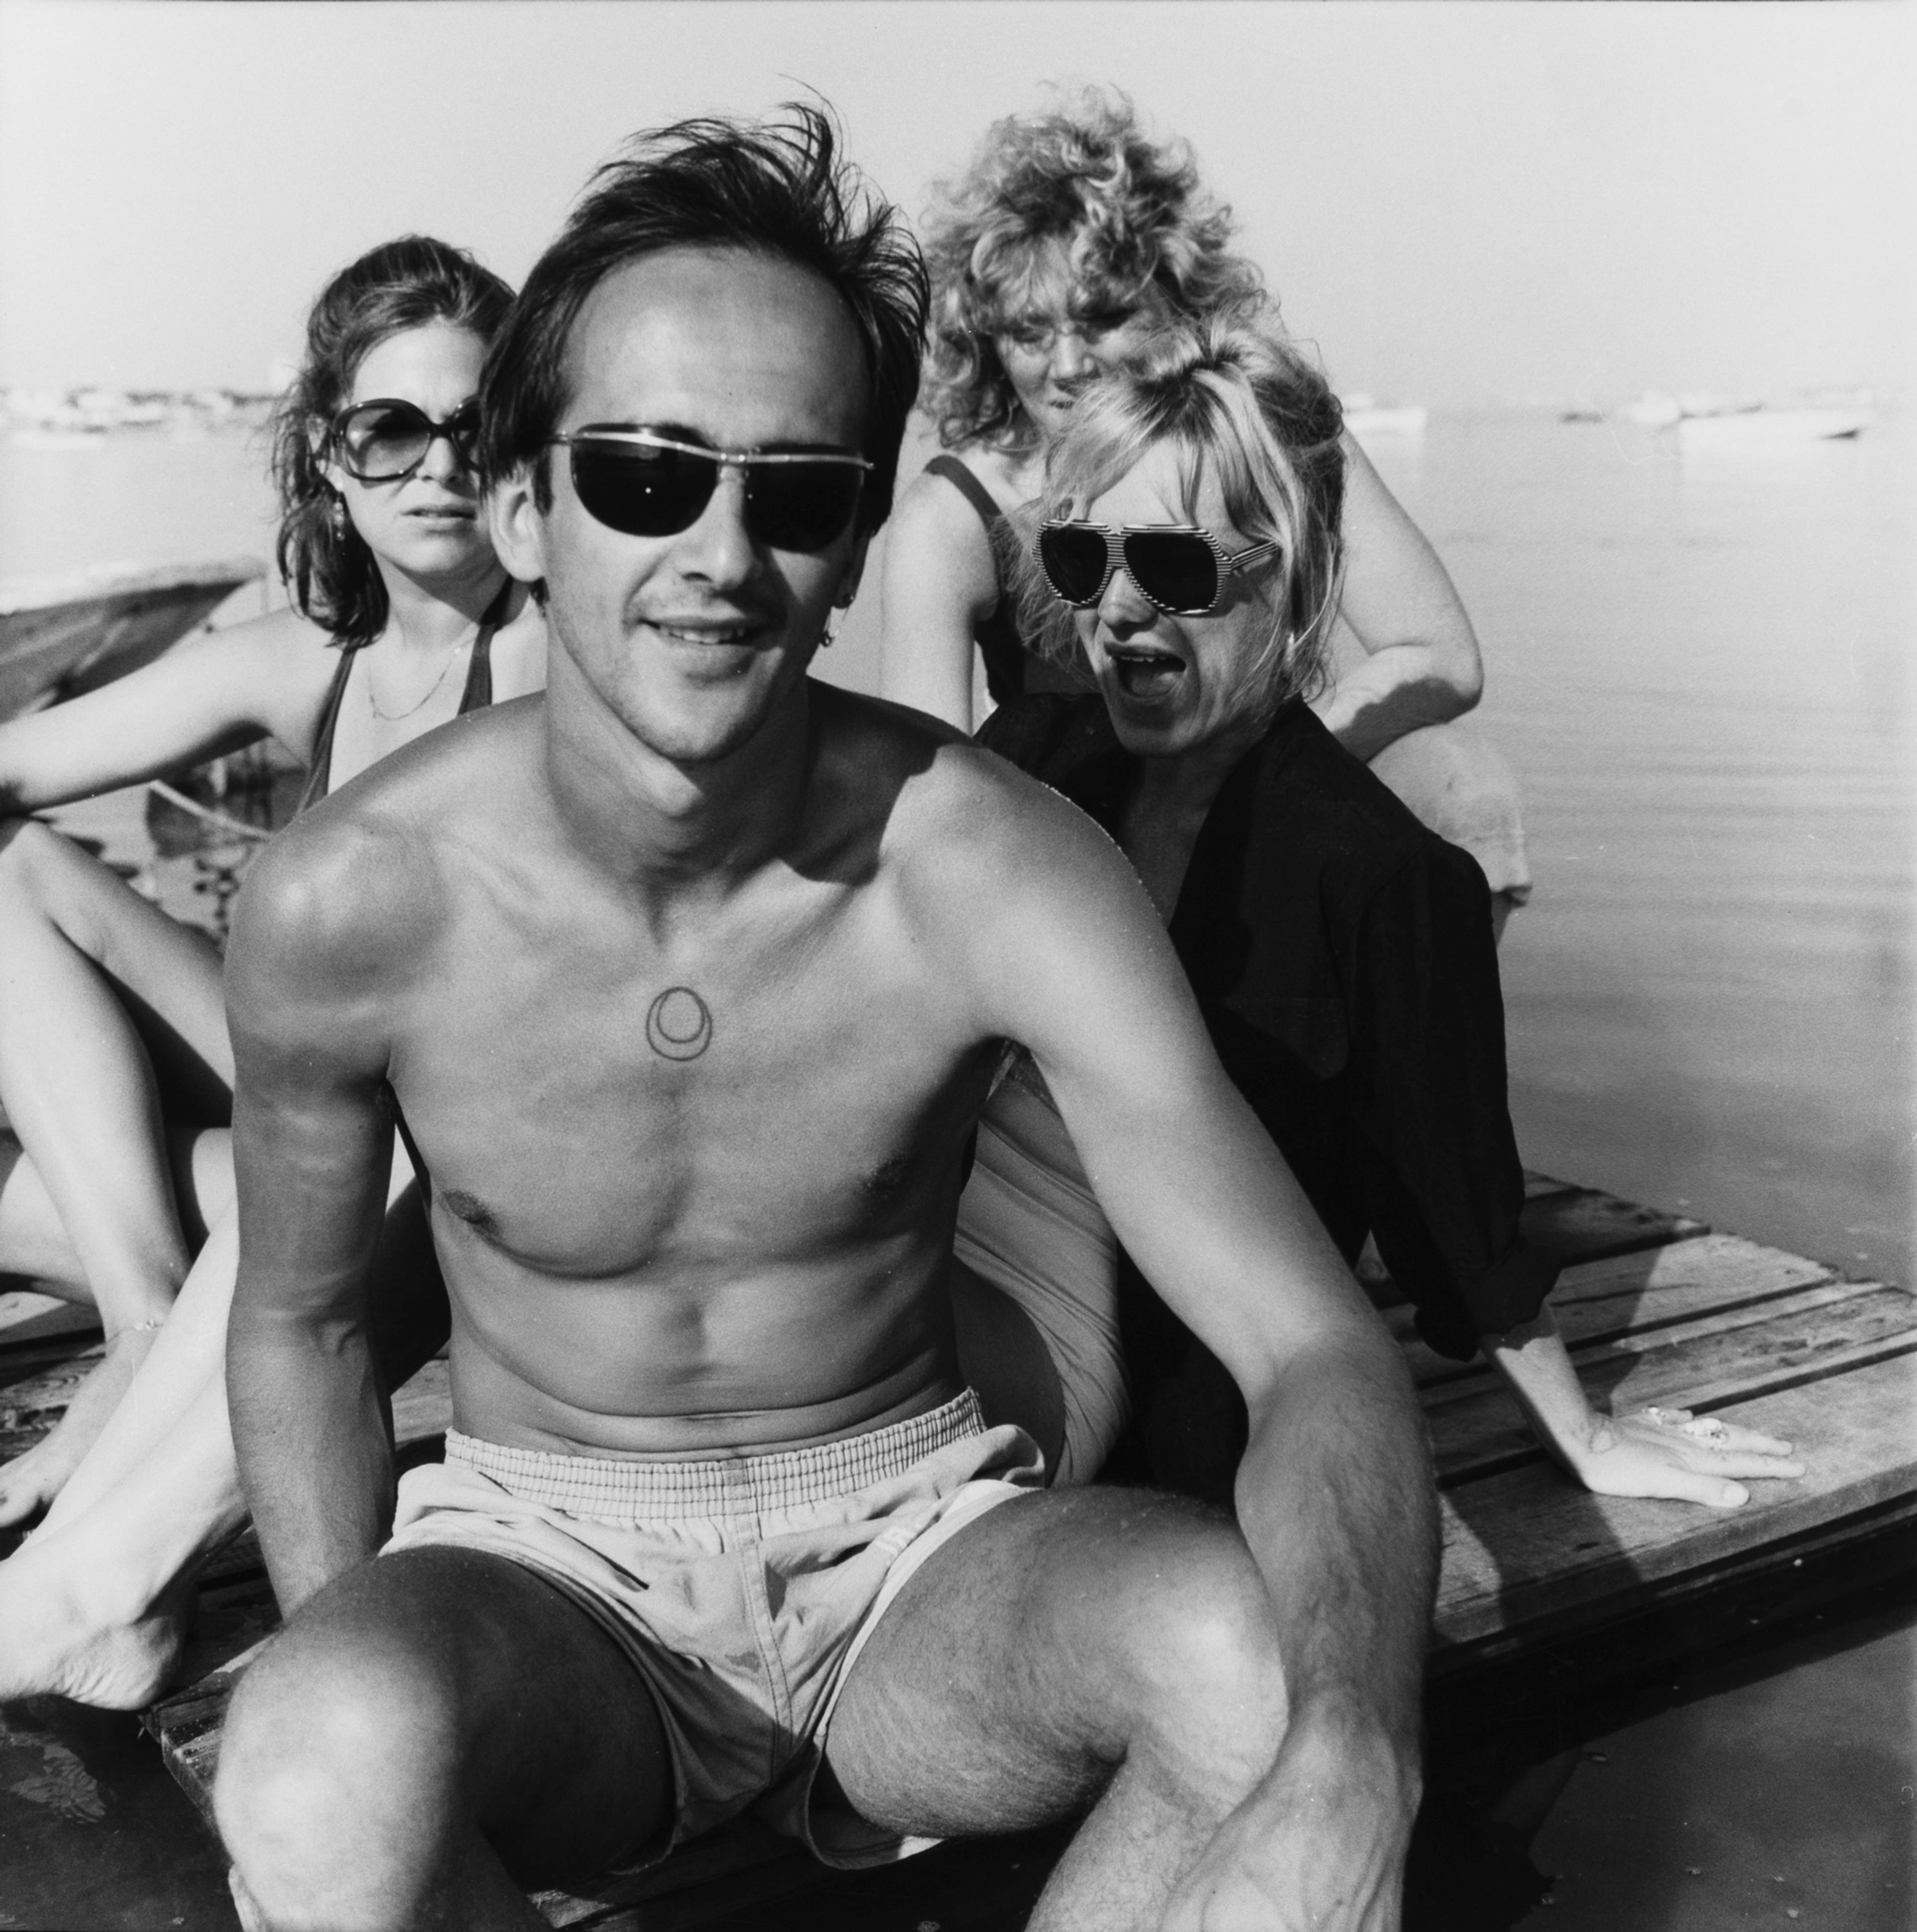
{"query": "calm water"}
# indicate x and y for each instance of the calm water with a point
(1700, 669)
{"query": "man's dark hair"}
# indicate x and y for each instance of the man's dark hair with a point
(778, 188)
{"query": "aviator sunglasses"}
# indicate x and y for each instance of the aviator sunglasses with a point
(382, 440)
(1180, 568)
(644, 483)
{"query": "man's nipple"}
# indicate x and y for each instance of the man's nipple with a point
(472, 1210)
(889, 1177)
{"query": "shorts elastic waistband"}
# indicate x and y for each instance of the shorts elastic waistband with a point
(643, 1491)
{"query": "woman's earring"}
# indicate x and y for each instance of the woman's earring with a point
(337, 516)
(826, 636)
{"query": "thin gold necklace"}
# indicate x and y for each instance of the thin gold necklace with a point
(393, 717)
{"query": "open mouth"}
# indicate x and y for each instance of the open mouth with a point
(1145, 675)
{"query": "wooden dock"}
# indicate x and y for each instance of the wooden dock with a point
(1548, 1595)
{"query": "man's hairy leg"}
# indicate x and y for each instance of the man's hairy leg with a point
(434, 1734)
(1098, 1648)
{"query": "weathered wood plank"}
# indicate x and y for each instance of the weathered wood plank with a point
(422, 1407)
(1728, 1358)
(1743, 1269)
(40, 1398)
(1569, 1684)
(187, 1725)
(1526, 1550)
(1657, 1287)
(1583, 1224)
(1599, 1345)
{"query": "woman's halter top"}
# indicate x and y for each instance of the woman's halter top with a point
(476, 696)
(996, 636)
(1011, 670)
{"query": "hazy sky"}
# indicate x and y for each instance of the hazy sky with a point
(1459, 202)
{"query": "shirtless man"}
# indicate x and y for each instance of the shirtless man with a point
(686, 983)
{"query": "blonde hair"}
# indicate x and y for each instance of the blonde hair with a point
(1135, 227)
(1237, 401)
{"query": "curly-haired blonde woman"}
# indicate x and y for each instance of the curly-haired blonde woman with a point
(1073, 235)
(116, 1070)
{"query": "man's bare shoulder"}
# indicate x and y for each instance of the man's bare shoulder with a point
(960, 823)
(355, 889)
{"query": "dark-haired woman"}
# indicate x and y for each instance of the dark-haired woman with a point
(116, 1070)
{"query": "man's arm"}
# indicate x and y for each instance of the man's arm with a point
(1334, 1496)
(1421, 665)
(313, 1144)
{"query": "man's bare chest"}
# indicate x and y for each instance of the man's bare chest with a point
(596, 1100)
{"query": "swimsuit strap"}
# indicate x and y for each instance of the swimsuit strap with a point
(475, 696)
(960, 476)
(478, 693)
(319, 774)
(995, 634)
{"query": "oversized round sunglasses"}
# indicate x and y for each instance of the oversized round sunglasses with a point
(644, 484)
(385, 438)
(1179, 568)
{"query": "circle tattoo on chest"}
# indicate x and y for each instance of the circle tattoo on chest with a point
(678, 1024)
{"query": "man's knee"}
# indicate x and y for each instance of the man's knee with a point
(1198, 1679)
(339, 1775)
(1220, 1667)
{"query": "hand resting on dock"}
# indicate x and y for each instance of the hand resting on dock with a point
(1651, 1452)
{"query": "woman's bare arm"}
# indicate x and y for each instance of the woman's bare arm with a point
(210, 694)
(1422, 665)
(1651, 1452)
(939, 580)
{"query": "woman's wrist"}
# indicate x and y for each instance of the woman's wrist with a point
(1533, 1362)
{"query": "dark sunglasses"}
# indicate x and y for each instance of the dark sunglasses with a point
(381, 441)
(642, 484)
(1180, 569)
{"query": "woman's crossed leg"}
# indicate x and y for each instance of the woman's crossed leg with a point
(95, 1605)
(112, 1040)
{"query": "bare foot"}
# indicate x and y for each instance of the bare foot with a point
(30, 1482)
(72, 1623)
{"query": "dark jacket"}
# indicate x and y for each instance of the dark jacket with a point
(1343, 958)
